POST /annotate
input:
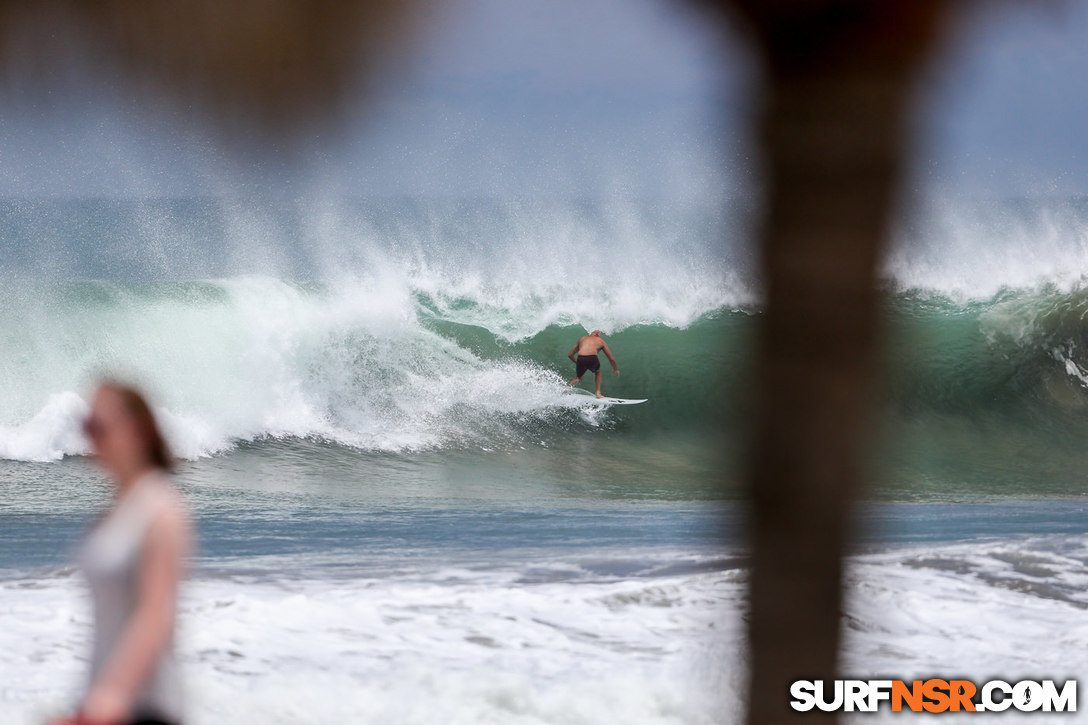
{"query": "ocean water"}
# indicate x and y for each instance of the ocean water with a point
(402, 514)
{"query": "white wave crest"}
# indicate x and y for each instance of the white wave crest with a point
(248, 358)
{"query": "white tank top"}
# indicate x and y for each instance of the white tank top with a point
(110, 559)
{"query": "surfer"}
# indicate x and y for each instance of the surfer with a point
(584, 356)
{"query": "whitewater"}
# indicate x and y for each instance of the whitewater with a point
(365, 356)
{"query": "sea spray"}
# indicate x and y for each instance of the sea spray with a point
(389, 325)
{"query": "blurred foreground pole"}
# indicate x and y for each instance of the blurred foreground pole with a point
(837, 79)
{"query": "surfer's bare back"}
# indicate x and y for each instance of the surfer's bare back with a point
(584, 356)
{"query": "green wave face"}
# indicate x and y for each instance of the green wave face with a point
(987, 396)
(693, 377)
(979, 397)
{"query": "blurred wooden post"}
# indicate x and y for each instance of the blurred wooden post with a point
(837, 80)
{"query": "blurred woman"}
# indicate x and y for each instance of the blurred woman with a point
(133, 559)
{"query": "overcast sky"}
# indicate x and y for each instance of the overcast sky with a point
(627, 97)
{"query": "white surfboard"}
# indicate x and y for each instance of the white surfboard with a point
(591, 398)
(616, 401)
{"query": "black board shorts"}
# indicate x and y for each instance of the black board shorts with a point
(591, 363)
